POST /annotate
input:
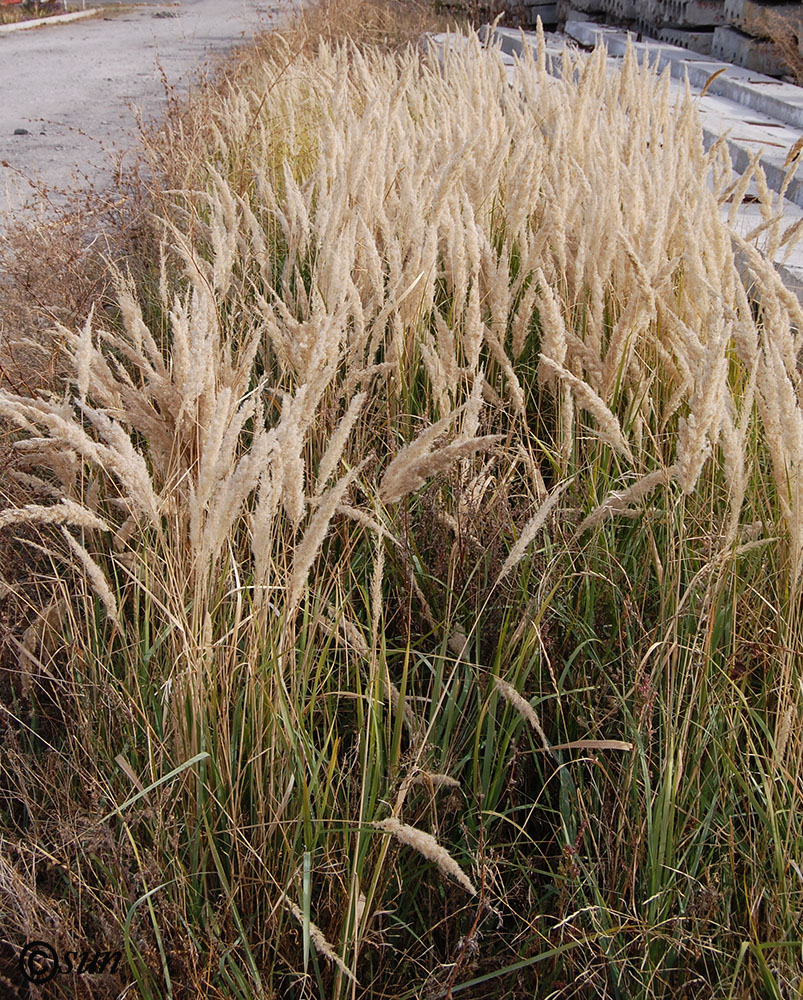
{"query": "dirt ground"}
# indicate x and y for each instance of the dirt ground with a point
(69, 92)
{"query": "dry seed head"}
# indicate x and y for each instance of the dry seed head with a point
(416, 462)
(434, 780)
(610, 431)
(83, 357)
(529, 532)
(619, 502)
(414, 725)
(318, 938)
(524, 708)
(338, 441)
(67, 512)
(429, 847)
(96, 577)
(376, 589)
(314, 536)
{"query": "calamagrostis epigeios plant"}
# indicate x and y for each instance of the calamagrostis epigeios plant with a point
(389, 268)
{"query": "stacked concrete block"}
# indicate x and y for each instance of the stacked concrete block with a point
(730, 30)
(696, 41)
(651, 12)
(621, 11)
(589, 6)
(756, 54)
(692, 13)
(749, 16)
(580, 10)
(547, 10)
(689, 23)
(746, 40)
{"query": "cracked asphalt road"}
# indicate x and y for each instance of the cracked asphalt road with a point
(69, 90)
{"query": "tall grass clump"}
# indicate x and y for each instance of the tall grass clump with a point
(425, 549)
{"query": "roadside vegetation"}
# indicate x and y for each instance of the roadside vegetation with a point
(404, 533)
(785, 30)
(12, 12)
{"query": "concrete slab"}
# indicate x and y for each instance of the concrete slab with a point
(692, 13)
(698, 41)
(755, 54)
(586, 6)
(750, 17)
(749, 131)
(748, 136)
(622, 10)
(548, 12)
(776, 98)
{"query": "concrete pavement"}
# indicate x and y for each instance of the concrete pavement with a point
(68, 91)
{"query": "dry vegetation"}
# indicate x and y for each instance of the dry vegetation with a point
(786, 31)
(419, 546)
(26, 11)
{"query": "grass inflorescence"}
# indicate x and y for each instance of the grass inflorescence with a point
(422, 537)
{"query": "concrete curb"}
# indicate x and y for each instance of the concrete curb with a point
(513, 43)
(39, 22)
(778, 100)
(744, 90)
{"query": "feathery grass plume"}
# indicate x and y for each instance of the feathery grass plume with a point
(619, 502)
(315, 534)
(233, 490)
(122, 458)
(352, 635)
(733, 444)
(39, 454)
(436, 373)
(429, 847)
(224, 231)
(434, 780)
(699, 432)
(36, 484)
(138, 334)
(66, 512)
(416, 462)
(779, 392)
(553, 326)
(83, 356)
(318, 938)
(359, 908)
(415, 726)
(291, 437)
(530, 530)
(609, 429)
(515, 390)
(566, 439)
(376, 589)
(362, 517)
(338, 441)
(446, 348)
(96, 577)
(525, 710)
(625, 745)
(409, 475)
(36, 644)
